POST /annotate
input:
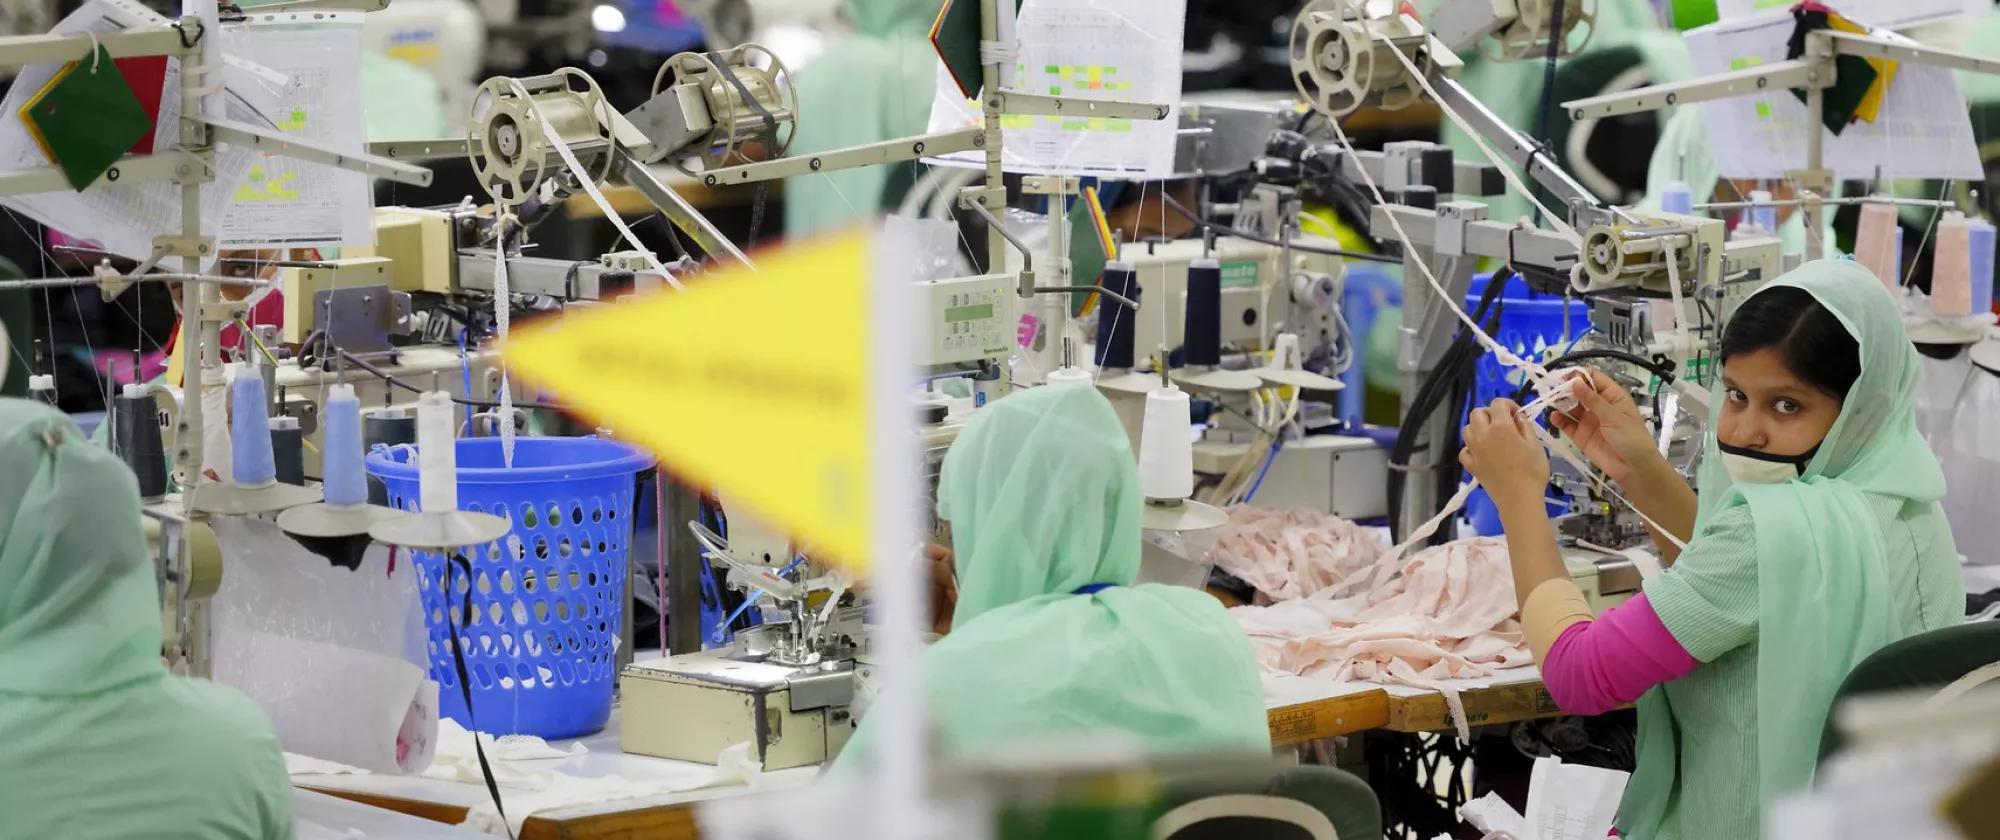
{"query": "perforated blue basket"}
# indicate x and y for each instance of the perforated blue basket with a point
(1530, 322)
(548, 600)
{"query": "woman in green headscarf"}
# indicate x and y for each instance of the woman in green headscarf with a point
(874, 84)
(1816, 539)
(100, 740)
(1051, 638)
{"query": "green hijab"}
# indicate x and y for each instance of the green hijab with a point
(1043, 497)
(79, 611)
(1683, 154)
(1824, 598)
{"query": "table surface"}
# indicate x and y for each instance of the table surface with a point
(666, 815)
(1306, 709)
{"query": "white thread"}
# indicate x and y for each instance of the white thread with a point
(95, 49)
(610, 213)
(437, 453)
(502, 311)
(1506, 169)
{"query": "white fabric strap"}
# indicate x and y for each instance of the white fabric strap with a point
(999, 52)
(597, 197)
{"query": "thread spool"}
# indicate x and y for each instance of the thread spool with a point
(1981, 242)
(253, 463)
(1201, 324)
(1166, 452)
(1068, 377)
(342, 453)
(385, 427)
(288, 450)
(215, 447)
(1951, 268)
(437, 453)
(1762, 214)
(1875, 243)
(1115, 325)
(136, 430)
(1677, 198)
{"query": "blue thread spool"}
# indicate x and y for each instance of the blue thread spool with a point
(1677, 198)
(1201, 325)
(252, 462)
(345, 482)
(1982, 266)
(1115, 324)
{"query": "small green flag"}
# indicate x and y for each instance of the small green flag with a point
(86, 118)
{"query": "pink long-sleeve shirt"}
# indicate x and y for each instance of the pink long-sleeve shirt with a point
(1596, 666)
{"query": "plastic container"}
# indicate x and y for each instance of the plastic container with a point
(1367, 290)
(548, 600)
(1530, 322)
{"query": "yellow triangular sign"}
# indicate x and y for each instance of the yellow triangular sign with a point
(753, 382)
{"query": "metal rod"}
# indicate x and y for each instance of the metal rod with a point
(993, 224)
(61, 282)
(870, 154)
(690, 221)
(1778, 76)
(1794, 202)
(1121, 300)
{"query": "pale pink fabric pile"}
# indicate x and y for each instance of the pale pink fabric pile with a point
(1291, 553)
(1449, 614)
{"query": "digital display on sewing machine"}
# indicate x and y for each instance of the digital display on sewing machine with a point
(968, 313)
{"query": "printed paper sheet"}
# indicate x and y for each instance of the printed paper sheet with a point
(315, 64)
(1128, 50)
(1922, 131)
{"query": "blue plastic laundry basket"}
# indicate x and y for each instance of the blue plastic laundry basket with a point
(548, 600)
(1530, 322)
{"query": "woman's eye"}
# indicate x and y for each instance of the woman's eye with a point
(1788, 407)
(1735, 396)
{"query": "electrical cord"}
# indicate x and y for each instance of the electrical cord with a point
(385, 376)
(1220, 228)
(1451, 384)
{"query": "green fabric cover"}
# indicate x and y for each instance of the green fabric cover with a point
(100, 740)
(1042, 494)
(1850, 557)
(1684, 155)
(874, 84)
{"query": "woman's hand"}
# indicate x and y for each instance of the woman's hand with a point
(1501, 450)
(944, 586)
(1606, 426)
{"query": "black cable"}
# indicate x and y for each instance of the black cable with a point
(386, 377)
(1265, 240)
(459, 561)
(1450, 383)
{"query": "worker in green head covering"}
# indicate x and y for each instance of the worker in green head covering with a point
(1051, 639)
(101, 741)
(1815, 540)
(872, 85)
(1684, 155)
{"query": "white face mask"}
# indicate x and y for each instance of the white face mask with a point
(1748, 466)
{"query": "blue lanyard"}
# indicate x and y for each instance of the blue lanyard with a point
(1091, 588)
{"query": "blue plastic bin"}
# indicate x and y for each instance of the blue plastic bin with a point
(1368, 290)
(548, 600)
(1529, 323)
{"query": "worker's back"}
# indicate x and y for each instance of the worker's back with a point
(97, 740)
(164, 757)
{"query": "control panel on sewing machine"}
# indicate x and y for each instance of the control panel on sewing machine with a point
(970, 317)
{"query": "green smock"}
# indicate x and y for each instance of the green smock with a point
(873, 85)
(1042, 493)
(100, 740)
(1786, 587)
